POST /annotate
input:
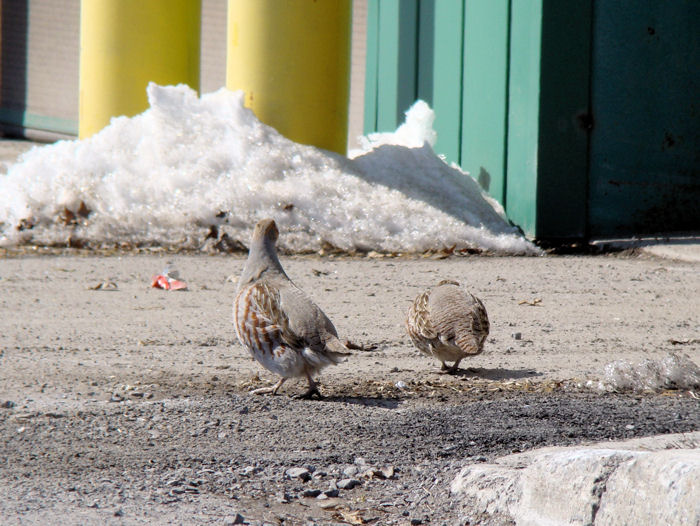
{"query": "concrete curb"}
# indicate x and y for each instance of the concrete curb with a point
(643, 482)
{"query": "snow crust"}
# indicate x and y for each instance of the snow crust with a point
(672, 371)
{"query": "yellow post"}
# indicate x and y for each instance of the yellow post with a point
(292, 59)
(125, 44)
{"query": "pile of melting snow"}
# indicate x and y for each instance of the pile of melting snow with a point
(672, 371)
(190, 167)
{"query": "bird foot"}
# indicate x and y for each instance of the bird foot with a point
(308, 395)
(454, 369)
(267, 390)
(264, 390)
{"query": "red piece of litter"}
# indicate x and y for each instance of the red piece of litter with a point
(161, 281)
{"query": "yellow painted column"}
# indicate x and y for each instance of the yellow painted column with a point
(124, 45)
(292, 59)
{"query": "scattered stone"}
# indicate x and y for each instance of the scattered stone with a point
(119, 513)
(230, 520)
(298, 473)
(517, 335)
(311, 493)
(327, 503)
(350, 471)
(388, 472)
(285, 498)
(330, 493)
(8, 404)
(383, 473)
(247, 471)
(348, 483)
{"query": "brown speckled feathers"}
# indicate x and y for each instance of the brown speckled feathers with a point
(448, 323)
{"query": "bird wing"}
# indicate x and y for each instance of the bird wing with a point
(418, 324)
(480, 321)
(260, 321)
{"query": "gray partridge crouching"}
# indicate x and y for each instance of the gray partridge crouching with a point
(448, 323)
(282, 328)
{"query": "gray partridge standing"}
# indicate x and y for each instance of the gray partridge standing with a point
(277, 322)
(449, 323)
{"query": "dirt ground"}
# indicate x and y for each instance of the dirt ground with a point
(125, 404)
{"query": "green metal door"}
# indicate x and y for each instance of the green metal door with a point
(645, 147)
(580, 117)
(482, 67)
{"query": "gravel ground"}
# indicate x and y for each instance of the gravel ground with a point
(131, 405)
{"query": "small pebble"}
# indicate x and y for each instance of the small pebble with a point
(517, 335)
(348, 483)
(248, 470)
(350, 471)
(298, 473)
(311, 493)
(388, 472)
(230, 520)
(285, 498)
(8, 404)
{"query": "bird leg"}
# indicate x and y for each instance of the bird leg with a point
(311, 391)
(265, 390)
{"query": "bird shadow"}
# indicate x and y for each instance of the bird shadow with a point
(496, 374)
(367, 401)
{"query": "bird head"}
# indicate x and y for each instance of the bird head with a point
(266, 229)
(262, 253)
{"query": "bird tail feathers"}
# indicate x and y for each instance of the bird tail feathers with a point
(337, 350)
